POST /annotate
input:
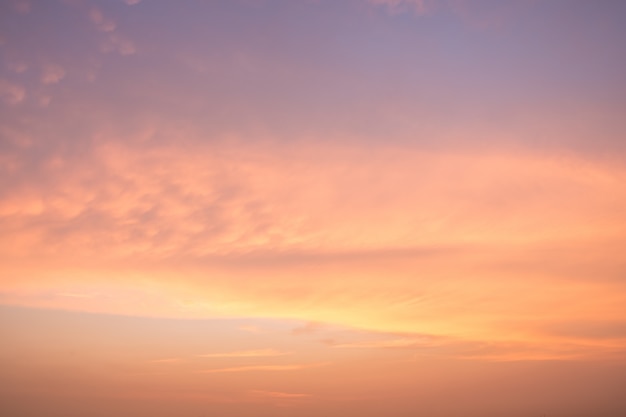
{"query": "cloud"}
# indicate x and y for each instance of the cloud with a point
(420, 7)
(402, 240)
(45, 100)
(589, 330)
(102, 23)
(246, 354)
(384, 344)
(251, 329)
(18, 67)
(119, 44)
(22, 6)
(279, 395)
(75, 295)
(11, 93)
(132, 2)
(262, 368)
(167, 360)
(307, 328)
(113, 41)
(529, 351)
(52, 74)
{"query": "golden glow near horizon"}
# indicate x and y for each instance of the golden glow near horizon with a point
(387, 205)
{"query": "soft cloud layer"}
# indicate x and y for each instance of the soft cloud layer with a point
(293, 207)
(110, 368)
(231, 181)
(396, 240)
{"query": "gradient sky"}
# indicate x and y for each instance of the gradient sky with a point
(313, 207)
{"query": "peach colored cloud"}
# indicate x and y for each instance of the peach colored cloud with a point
(257, 368)
(278, 395)
(378, 344)
(167, 360)
(391, 239)
(246, 354)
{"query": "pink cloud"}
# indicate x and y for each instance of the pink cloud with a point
(420, 7)
(52, 74)
(22, 6)
(11, 93)
(103, 24)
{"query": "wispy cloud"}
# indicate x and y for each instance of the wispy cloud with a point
(76, 295)
(390, 343)
(307, 328)
(167, 360)
(261, 368)
(251, 329)
(279, 395)
(246, 354)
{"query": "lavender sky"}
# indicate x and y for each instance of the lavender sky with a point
(312, 207)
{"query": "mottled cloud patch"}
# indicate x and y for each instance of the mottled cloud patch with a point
(44, 100)
(118, 43)
(113, 41)
(164, 201)
(52, 74)
(17, 67)
(11, 93)
(233, 223)
(102, 23)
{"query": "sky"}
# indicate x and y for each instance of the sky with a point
(312, 207)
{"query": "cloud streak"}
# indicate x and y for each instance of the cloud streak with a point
(262, 368)
(260, 353)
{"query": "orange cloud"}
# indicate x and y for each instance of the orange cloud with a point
(400, 240)
(280, 395)
(246, 354)
(255, 368)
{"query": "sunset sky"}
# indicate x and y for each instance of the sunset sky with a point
(370, 208)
